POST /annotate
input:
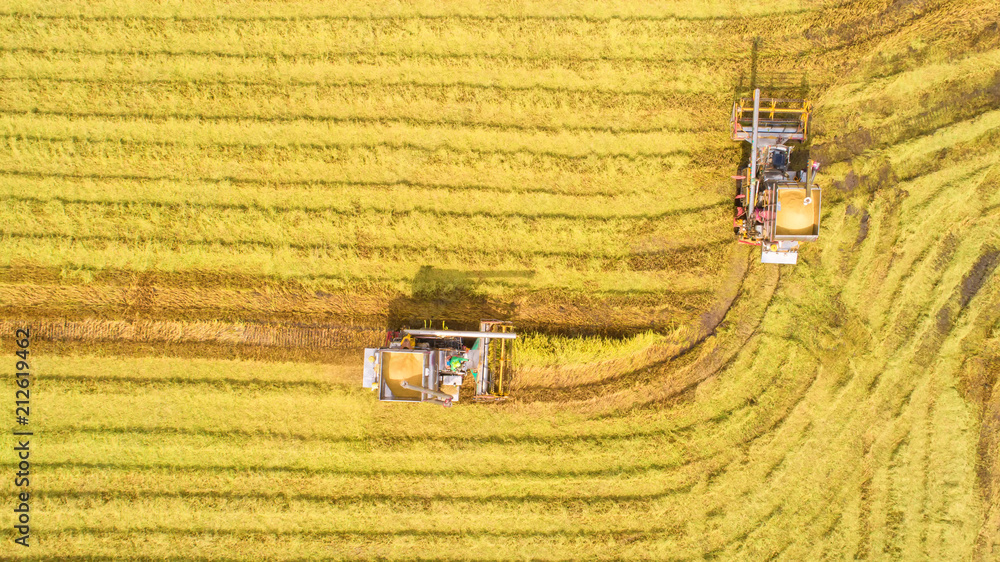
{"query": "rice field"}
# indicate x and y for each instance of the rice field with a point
(209, 209)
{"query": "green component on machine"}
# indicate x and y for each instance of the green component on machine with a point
(429, 365)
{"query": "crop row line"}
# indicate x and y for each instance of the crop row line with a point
(125, 79)
(311, 182)
(598, 500)
(332, 56)
(269, 535)
(191, 278)
(271, 147)
(450, 471)
(452, 124)
(694, 98)
(399, 250)
(324, 212)
(345, 278)
(352, 18)
(222, 383)
(610, 95)
(255, 281)
(659, 435)
(246, 333)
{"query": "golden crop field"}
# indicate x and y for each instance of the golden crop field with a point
(210, 208)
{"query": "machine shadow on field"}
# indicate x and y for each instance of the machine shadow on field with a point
(451, 296)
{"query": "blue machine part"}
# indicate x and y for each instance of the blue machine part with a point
(779, 159)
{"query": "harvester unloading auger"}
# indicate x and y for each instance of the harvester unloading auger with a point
(776, 208)
(431, 365)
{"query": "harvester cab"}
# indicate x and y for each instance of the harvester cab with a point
(432, 365)
(776, 208)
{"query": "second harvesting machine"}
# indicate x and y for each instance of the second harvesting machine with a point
(776, 208)
(431, 365)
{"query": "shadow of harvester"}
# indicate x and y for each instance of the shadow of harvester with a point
(451, 296)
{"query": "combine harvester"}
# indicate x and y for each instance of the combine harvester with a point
(776, 208)
(431, 365)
